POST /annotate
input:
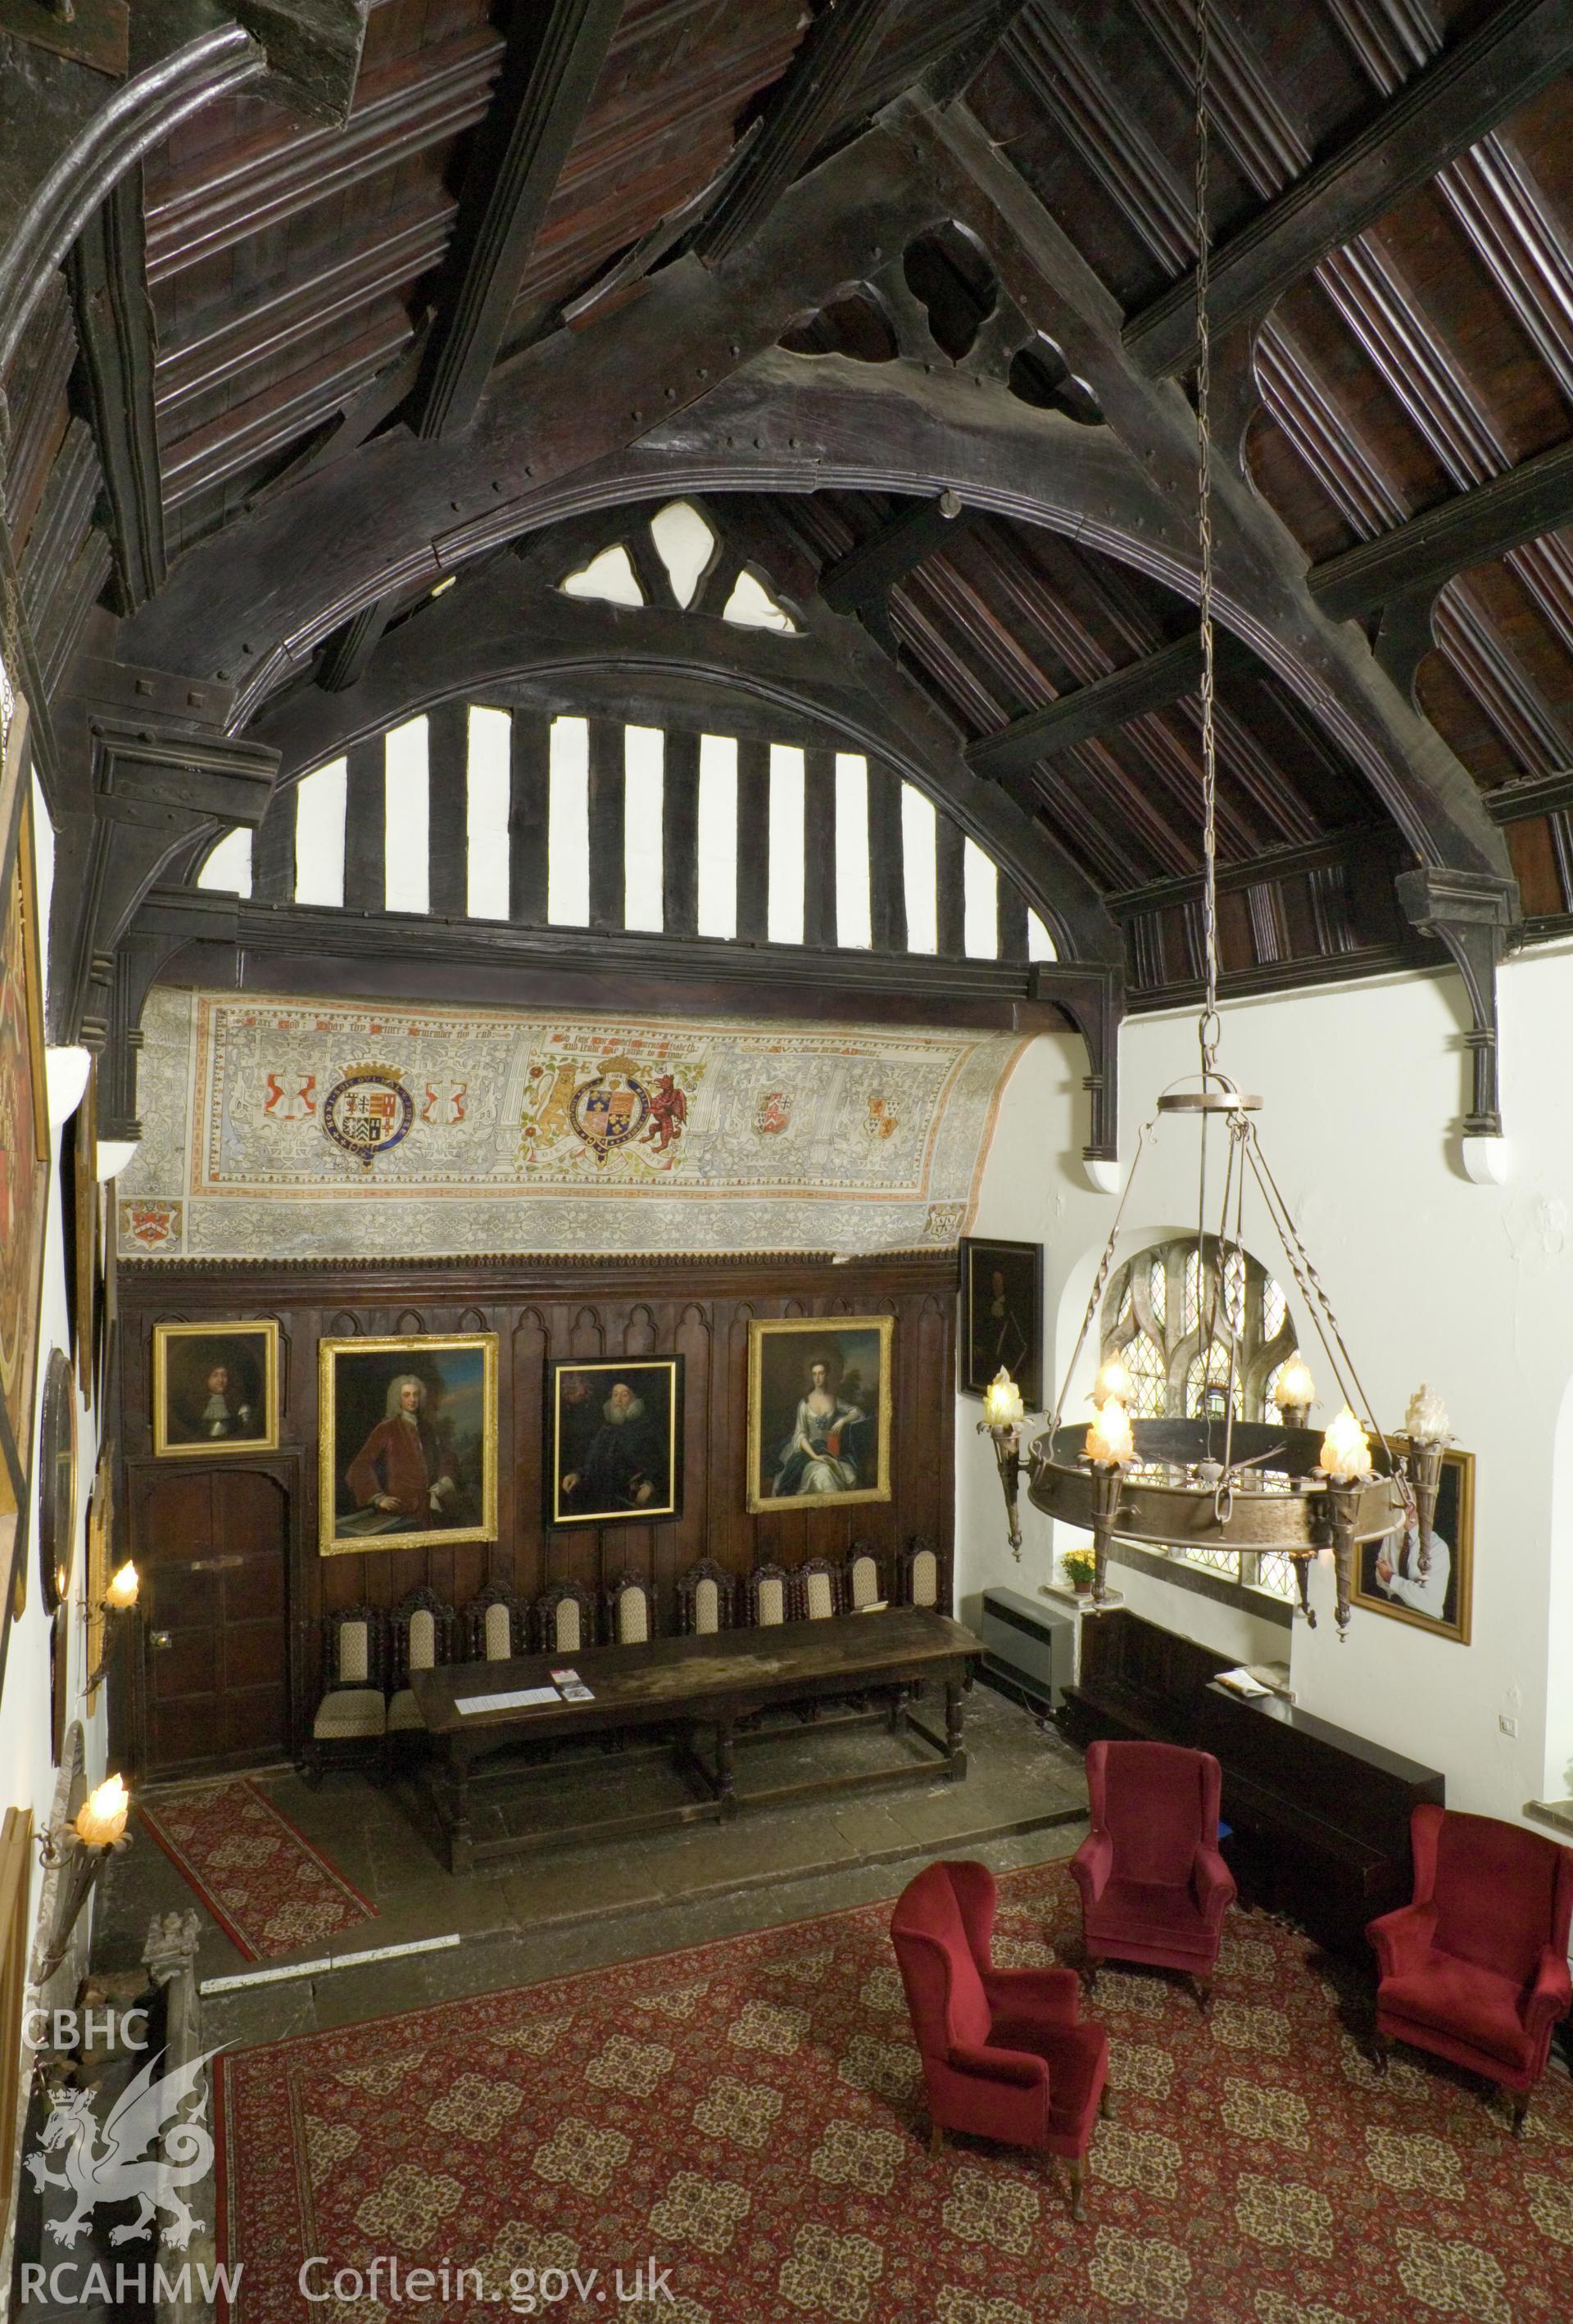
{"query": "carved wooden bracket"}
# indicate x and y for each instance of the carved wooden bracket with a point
(157, 794)
(1471, 913)
(1094, 999)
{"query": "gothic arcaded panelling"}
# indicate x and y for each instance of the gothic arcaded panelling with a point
(283, 1128)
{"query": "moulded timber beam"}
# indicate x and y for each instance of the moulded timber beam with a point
(815, 97)
(866, 574)
(69, 135)
(554, 59)
(1405, 567)
(1470, 529)
(1448, 106)
(1263, 594)
(115, 332)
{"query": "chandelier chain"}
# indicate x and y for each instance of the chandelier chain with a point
(1209, 1026)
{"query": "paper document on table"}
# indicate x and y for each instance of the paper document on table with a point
(523, 1698)
(1240, 1681)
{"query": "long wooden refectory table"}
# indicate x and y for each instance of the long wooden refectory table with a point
(686, 1684)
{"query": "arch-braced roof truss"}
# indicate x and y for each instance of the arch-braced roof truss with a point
(790, 334)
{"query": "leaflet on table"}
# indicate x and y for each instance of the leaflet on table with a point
(523, 1698)
(571, 1687)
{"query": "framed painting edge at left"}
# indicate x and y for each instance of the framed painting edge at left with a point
(330, 1544)
(204, 1448)
(18, 884)
(1030, 1379)
(1456, 1633)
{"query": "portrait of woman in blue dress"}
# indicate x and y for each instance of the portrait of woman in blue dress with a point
(818, 1411)
(823, 1453)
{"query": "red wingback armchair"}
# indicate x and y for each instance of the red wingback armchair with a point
(1003, 2055)
(1475, 1968)
(1153, 1886)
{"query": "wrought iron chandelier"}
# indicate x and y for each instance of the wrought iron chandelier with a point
(1217, 1481)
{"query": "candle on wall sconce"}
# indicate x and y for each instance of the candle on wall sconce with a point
(1001, 1402)
(101, 1820)
(121, 1593)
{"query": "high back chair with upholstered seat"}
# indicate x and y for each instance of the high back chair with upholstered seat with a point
(819, 1590)
(496, 1626)
(631, 1611)
(1005, 2055)
(565, 1619)
(770, 1596)
(920, 1574)
(1475, 1969)
(420, 1637)
(1153, 1887)
(351, 1724)
(861, 1584)
(706, 1595)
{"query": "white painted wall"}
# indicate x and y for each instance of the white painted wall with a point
(27, 1773)
(1467, 1287)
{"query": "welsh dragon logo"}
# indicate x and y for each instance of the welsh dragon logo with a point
(124, 2162)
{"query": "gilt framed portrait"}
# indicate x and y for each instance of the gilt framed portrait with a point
(407, 1431)
(1002, 1315)
(818, 1412)
(614, 1439)
(1388, 1578)
(24, 1139)
(215, 1389)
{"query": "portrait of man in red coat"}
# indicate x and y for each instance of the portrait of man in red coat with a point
(404, 1477)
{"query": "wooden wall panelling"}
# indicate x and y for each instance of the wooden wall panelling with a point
(698, 1307)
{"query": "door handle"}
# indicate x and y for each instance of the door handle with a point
(158, 1639)
(213, 1564)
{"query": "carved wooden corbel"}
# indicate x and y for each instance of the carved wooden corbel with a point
(1471, 913)
(160, 785)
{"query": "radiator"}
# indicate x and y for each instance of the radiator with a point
(1029, 1649)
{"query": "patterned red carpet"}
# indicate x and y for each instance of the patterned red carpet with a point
(750, 2114)
(262, 1880)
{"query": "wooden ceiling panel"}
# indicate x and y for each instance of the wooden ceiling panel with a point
(1462, 719)
(293, 269)
(1439, 270)
(282, 168)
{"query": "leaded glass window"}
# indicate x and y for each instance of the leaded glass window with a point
(1179, 1314)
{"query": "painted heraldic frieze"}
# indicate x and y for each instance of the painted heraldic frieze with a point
(290, 1128)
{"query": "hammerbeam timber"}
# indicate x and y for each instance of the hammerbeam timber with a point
(549, 76)
(1447, 107)
(814, 100)
(866, 574)
(1410, 563)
